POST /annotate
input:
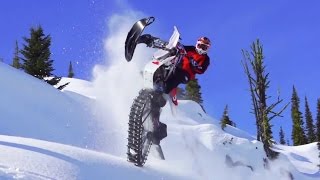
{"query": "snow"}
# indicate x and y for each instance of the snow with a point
(36, 159)
(302, 156)
(80, 132)
(25, 99)
(51, 134)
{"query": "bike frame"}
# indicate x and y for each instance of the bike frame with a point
(160, 57)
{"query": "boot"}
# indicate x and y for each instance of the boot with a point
(173, 95)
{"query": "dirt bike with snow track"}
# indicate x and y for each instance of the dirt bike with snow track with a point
(145, 111)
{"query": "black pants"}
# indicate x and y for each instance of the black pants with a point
(179, 76)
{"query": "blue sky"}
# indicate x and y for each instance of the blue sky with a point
(289, 32)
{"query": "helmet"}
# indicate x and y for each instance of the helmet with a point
(203, 45)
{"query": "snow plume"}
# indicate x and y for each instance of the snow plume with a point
(116, 84)
(202, 148)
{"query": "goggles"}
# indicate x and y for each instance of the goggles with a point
(202, 46)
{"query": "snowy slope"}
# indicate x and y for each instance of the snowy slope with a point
(80, 132)
(23, 158)
(48, 134)
(31, 108)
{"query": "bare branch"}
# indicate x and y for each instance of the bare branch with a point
(280, 112)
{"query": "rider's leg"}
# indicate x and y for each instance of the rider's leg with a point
(178, 77)
(160, 129)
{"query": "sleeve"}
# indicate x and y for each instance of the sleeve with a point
(204, 65)
(201, 66)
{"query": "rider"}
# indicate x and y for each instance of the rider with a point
(195, 61)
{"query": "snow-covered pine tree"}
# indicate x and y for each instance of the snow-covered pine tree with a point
(226, 119)
(281, 134)
(16, 60)
(36, 52)
(311, 135)
(318, 123)
(193, 91)
(318, 127)
(70, 71)
(37, 56)
(298, 135)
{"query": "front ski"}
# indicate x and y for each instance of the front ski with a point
(134, 34)
(158, 151)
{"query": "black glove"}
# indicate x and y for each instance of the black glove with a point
(146, 39)
(194, 64)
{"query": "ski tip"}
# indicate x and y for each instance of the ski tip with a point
(159, 153)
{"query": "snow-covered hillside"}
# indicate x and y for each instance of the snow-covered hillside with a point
(81, 132)
(30, 108)
(49, 134)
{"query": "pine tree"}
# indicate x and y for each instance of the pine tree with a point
(318, 122)
(193, 91)
(70, 71)
(311, 135)
(16, 59)
(298, 135)
(226, 119)
(36, 52)
(318, 126)
(281, 134)
(288, 143)
(259, 83)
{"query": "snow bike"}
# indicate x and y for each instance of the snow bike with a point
(145, 110)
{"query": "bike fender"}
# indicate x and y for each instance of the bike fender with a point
(149, 71)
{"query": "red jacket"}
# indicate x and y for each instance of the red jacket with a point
(202, 60)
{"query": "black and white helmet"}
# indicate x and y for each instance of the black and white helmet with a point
(203, 45)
